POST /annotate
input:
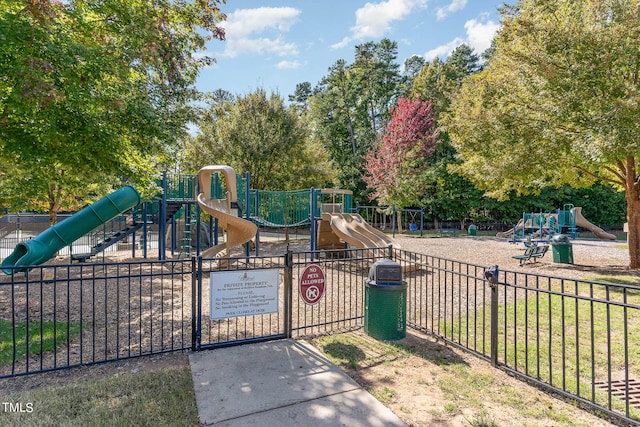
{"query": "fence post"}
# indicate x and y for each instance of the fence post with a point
(193, 303)
(494, 324)
(162, 220)
(196, 302)
(288, 297)
(312, 218)
(492, 273)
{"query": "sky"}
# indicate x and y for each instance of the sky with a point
(276, 44)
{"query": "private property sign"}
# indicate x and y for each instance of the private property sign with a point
(312, 284)
(243, 293)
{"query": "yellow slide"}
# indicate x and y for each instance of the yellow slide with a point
(239, 230)
(584, 223)
(354, 230)
(511, 231)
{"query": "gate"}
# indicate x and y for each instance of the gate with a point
(239, 300)
(242, 300)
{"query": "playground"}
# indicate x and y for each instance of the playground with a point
(120, 306)
(415, 386)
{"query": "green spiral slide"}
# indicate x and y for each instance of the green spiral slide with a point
(50, 241)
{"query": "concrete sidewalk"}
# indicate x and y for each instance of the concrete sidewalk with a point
(280, 383)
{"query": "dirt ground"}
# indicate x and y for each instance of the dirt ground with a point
(418, 397)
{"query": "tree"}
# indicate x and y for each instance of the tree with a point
(439, 80)
(350, 108)
(301, 95)
(557, 103)
(393, 165)
(96, 91)
(447, 195)
(259, 134)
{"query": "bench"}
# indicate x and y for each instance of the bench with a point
(451, 231)
(532, 252)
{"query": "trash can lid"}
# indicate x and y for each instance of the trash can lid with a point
(472, 227)
(385, 270)
(560, 239)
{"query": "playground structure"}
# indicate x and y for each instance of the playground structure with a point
(241, 211)
(352, 229)
(239, 230)
(46, 244)
(177, 216)
(541, 226)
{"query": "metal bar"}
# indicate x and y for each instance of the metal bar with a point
(494, 325)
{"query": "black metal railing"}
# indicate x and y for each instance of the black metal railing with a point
(575, 337)
(342, 307)
(56, 317)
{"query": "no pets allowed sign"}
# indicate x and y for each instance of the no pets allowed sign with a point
(312, 284)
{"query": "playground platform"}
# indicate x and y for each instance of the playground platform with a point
(280, 383)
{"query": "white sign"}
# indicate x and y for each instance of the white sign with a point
(243, 293)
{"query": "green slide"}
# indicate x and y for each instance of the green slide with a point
(50, 241)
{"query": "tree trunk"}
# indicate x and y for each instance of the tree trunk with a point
(633, 218)
(54, 202)
(633, 213)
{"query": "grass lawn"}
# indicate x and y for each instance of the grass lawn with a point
(41, 337)
(568, 334)
(156, 398)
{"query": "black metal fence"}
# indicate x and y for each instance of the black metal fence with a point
(577, 338)
(61, 316)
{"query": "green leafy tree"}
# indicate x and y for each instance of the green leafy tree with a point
(447, 195)
(557, 103)
(259, 134)
(350, 108)
(95, 92)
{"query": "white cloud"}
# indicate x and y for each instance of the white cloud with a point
(259, 31)
(374, 20)
(479, 37)
(443, 50)
(454, 6)
(288, 65)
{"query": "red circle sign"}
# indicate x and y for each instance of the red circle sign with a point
(312, 284)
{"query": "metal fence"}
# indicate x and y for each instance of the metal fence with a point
(61, 316)
(577, 338)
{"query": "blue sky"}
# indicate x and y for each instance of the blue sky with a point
(276, 44)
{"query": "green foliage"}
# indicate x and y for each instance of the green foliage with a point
(259, 134)
(554, 105)
(95, 91)
(350, 109)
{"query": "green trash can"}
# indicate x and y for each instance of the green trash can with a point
(472, 230)
(385, 302)
(562, 249)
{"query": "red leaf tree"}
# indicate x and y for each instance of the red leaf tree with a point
(394, 165)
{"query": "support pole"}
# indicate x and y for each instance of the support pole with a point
(162, 220)
(312, 218)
